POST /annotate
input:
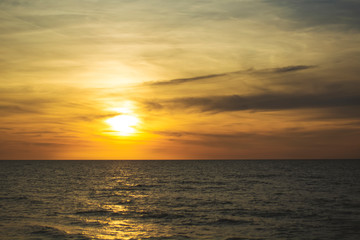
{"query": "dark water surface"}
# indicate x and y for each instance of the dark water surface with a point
(180, 199)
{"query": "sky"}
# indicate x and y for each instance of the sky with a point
(166, 79)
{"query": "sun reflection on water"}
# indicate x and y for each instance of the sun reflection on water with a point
(122, 229)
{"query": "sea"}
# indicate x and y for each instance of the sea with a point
(189, 199)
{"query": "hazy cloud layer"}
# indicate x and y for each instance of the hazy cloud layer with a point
(342, 14)
(216, 72)
(326, 143)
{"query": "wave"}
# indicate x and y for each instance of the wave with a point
(227, 221)
(101, 212)
(177, 237)
(130, 214)
(54, 233)
(237, 238)
(14, 198)
(160, 215)
(135, 187)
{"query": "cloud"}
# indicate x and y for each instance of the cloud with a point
(5, 129)
(92, 117)
(283, 133)
(171, 133)
(208, 77)
(309, 13)
(10, 109)
(338, 113)
(180, 134)
(291, 68)
(284, 143)
(185, 80)
(264, 102)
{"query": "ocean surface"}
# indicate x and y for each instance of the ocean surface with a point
(227, 200)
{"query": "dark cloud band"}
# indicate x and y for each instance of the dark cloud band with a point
(263, 102)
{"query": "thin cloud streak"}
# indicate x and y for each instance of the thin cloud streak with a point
(208, 77)
(185, 80)
(291, 68)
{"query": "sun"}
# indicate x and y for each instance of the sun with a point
(123, 124)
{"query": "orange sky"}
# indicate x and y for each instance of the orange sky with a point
(159, 79)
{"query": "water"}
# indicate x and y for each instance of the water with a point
(180, 200)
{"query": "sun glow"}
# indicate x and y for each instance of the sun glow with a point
(123, 124)
(126, 122)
